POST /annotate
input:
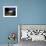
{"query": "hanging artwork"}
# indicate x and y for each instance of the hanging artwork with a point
(9, 11)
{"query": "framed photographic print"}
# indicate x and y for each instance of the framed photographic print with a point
(33, 32)
(9, 11)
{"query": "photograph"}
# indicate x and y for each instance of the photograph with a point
(9, 11)
(29, 33)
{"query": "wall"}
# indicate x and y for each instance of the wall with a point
(32, 11)
(7, 25)
(29, 12)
